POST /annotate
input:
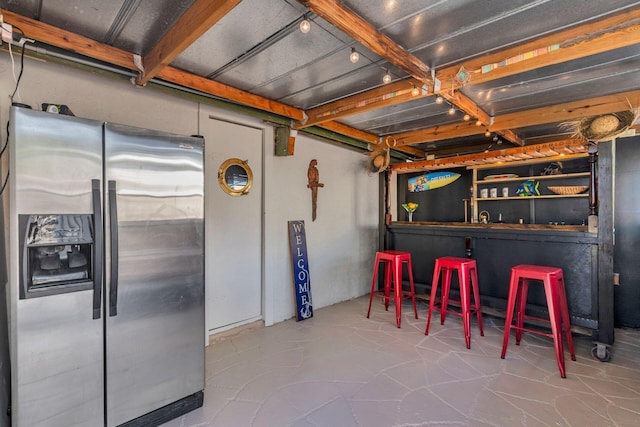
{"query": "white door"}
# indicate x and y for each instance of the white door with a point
(233, 227)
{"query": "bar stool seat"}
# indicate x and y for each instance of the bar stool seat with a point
(553, 281)
(393, 262)
(468, 280)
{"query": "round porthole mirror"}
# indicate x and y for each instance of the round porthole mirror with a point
(235, 177)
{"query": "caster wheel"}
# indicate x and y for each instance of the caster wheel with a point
(601, 353)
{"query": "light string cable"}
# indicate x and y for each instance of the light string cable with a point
(17, 80)
(23, 40)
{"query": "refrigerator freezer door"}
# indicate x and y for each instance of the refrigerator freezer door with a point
(155, 320)
(56, 345)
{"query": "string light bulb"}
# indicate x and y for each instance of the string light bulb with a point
(355, 56)
(452, 111)
(487, 133)
(466, 117)
(305, 25)
(387, 77)
(478, 123)
(439, 99)
(415, 91)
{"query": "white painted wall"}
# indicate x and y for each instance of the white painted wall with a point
(341, 242)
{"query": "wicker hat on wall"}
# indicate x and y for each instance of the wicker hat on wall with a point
(380, 158)
(603, 127)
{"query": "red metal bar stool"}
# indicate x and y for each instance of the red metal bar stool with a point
(553, 281)
(468, 279)
(393, 262)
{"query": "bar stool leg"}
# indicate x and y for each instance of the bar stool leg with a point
(511, 303)
(521, 306)
(476, 298)
(387, 282)
(444, 294)
(412, 288)
(373, 284)
(397, 287)
(463, 273)
(434, 290)
(552, 304)
(565, 317)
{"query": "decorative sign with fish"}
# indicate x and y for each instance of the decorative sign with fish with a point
(528, 188)
(431, 180)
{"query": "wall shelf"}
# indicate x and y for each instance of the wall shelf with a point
(479, 183)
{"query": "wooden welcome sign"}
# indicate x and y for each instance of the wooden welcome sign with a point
(300, 264)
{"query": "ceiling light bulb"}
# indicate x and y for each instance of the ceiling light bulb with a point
(452, 111)
(305, 26)
(355, 56)
(478, 123)
(387, 78)
(415, 91)
(439, 99)
(466, 117)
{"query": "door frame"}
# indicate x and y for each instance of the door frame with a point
(208, 113)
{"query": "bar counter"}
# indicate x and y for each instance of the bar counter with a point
(497, 247)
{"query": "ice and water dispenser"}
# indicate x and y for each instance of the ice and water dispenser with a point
(55, 254)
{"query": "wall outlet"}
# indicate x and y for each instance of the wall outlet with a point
(7, 32)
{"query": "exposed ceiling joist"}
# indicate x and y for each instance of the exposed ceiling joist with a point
(92, 49)
(383, 96)
(357, 28)
(570, 147)
(578, 42)
(568, 111)
(69, 41)
(368, 137)
(543, 115)
(201, 16)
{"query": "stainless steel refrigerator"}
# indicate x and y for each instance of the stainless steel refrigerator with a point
(106, 283)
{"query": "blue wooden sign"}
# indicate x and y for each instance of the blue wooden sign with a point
(300, 264)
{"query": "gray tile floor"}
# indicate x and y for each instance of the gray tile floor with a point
(341, 369)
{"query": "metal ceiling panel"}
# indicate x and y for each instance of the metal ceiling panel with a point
(246, 26)
(412, 115)
(28, 8)
(447, 32)
(148, 23)
(90, 18)
(587, 77)
(293, 52)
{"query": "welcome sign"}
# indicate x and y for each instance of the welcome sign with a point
(300, 264)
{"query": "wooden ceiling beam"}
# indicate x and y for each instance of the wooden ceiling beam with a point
(193, 23)
(383, 96)
(502, 124)
(90, 48)
(372, 139)
(568, 111)
(69, 41)
(572, 146)
(467, 105)
(357, 28)
(589, 39)
(186, 79)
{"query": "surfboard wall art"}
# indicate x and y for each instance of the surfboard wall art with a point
(431, 180)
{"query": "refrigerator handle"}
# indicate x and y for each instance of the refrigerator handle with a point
(113, 226)
(98, 248)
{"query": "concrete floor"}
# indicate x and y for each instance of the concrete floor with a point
(341, 369)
